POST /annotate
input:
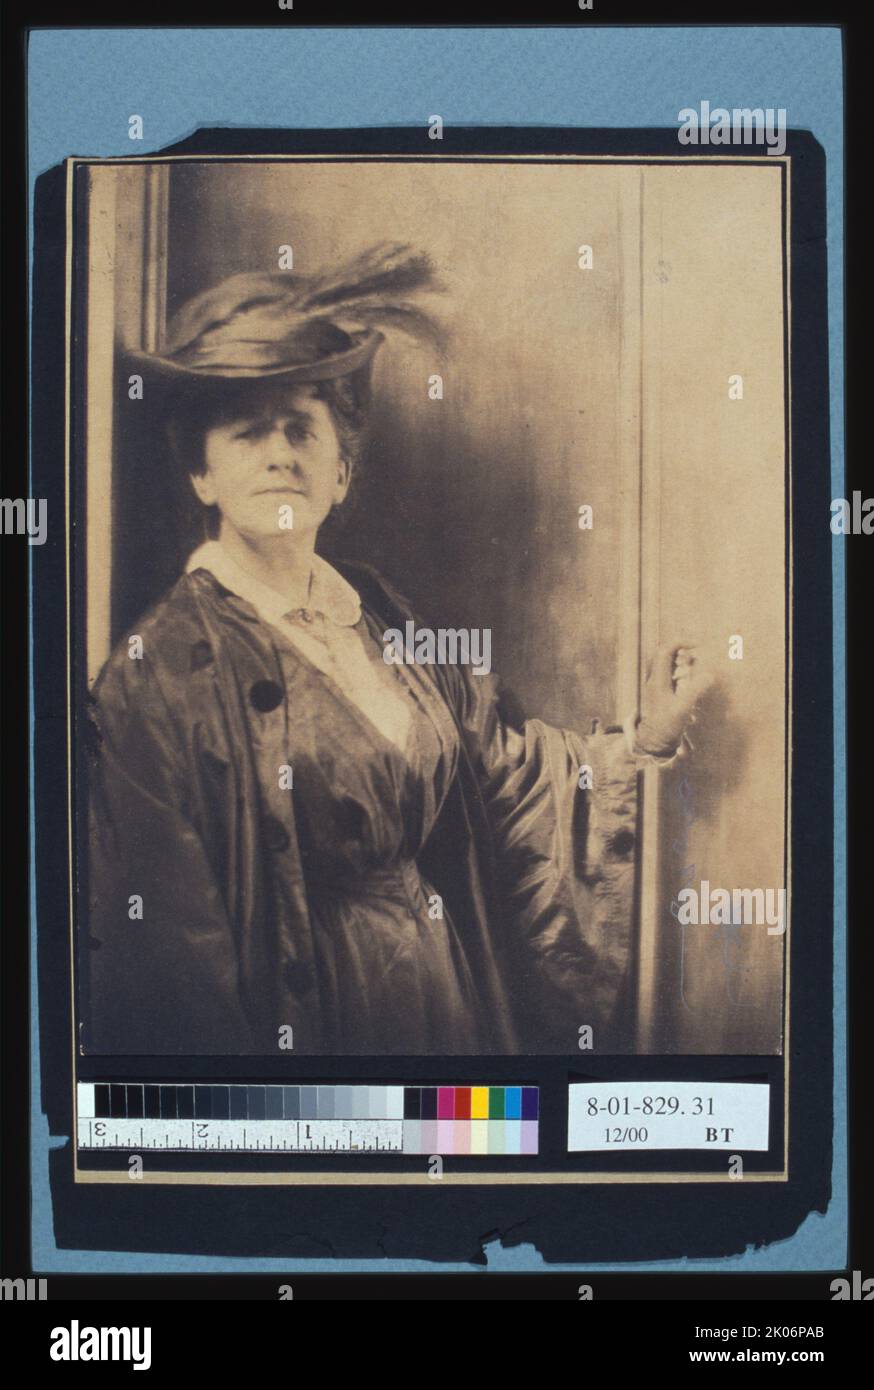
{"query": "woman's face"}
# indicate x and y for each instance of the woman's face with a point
(281, 451)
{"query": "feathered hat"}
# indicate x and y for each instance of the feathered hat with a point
(296, 327)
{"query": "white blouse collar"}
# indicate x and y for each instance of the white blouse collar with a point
(330, 594)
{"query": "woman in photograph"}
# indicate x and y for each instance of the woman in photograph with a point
(295, 842)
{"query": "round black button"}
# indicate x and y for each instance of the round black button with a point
(622, 843)
(275, 834)
(266, 695)
(298, 976)
(201, 655)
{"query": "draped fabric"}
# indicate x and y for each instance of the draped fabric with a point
(463, 894)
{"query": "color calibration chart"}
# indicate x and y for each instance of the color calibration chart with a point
(198, 1118)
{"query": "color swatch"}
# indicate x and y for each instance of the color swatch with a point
(473, 1120)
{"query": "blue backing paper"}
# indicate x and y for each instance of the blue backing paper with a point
(84, 84)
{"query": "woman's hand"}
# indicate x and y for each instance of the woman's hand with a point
(676, 681)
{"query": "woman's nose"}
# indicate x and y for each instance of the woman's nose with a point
(283, 453)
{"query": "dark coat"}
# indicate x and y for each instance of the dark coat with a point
(187, 814)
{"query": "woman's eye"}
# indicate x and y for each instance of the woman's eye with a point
(260, 431)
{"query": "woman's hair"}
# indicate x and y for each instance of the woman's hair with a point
(348, 398)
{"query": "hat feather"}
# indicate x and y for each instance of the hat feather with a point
(251, 319)
(406, 317)
(387, 269)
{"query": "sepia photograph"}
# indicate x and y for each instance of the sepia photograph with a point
(434, 525)
(429, 606)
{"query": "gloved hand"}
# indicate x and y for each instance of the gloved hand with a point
(676, 680)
